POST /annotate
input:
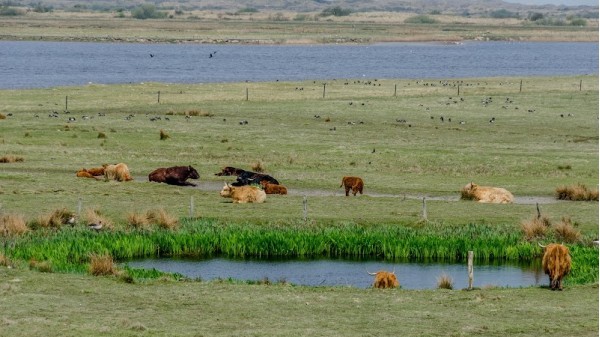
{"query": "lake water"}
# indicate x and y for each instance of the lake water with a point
(339, 272)
(31, 64)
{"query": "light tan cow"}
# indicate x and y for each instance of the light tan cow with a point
(488, 194)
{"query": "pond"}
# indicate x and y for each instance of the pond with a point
(343, 272)
(39, 64)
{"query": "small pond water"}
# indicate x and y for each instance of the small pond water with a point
(341, 272)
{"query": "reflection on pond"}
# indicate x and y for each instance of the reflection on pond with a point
(340, 272)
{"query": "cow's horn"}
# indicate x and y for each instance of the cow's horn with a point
(539, 244)
(372, 274)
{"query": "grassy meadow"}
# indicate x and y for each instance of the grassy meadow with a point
(408, 139)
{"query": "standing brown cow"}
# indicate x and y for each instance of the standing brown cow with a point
(355, 184)
(556, 263)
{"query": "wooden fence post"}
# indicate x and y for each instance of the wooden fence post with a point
(395, 89)
(66, 103)
(470, 269)
(159, 97)
(246, 94)
(424, 209)
(324, 84)
(521, 86)
(305, 208)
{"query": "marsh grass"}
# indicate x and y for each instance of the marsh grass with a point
(11, 159)
(94, 216)
(444, 281)
(102, 265)
(535, 228)
(12, 225)
(164, 135)
(162, 219)
(54, 219)
(41, 266)
(577, 192)
(565, 232)
(138, 221)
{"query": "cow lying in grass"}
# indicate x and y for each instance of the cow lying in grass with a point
(118, 172)
(273, 188)
(175, 175)
(243, 194)
(556, 264)
(91, 173)
(486, 194)
(355, 184)
(246, 177)
(385, 279)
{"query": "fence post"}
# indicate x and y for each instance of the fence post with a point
(159, 97)
(79, 208)
(521, 86)
(246, 93)
(66, 103)
(305, 208)
(470, 269)
(395, 89)
(424, 209)
(191, 206)
(324, 84)
(580, 84)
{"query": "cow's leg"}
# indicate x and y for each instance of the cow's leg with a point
(347, 189)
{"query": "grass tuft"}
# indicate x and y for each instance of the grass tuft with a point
(138, 220)
(54, 219)
(565, 232)
(163, 219)
(102, 265)
(164, 135)
(258, 166)
(12, 225)
(577, 192)
(41, 266)
(92, 216)
(444, 281)
(535, 228)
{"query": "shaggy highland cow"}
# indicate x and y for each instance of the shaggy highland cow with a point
(385, 279)
(556, 263)
(90, 173)
(355, 184)
(486, 194)
(118, 172)
(243, 194)
(273, 188)
(176, 175)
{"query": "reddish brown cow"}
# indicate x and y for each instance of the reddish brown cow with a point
(556, 263)
(385, 279)
(273, 188)
(355, 184)
(175, 175)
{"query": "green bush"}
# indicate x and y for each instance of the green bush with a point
(336, 11)
(423, 19)
(11, 11)
(503, 14)
(147, 11)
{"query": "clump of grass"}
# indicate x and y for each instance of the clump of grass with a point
(258, 166)
(12, 225)
(163, 219)
(138, 220)
(101, 135)
(92, 216)
(164, 135)
(444, 281)
(102, 265)
(535, 228)
(55, 219)
(198, 113)
(41, 266)
(565, 231)
(11, 159)
(5, 261)
(577, 192)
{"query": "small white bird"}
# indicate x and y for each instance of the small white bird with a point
(96, 226)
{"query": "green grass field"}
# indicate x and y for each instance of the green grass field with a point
(529, 137)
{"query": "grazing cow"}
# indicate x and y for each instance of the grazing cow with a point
(385, 279)
(556, 263)
(273, 188)
(486, 194)
(355, 184)
(118, 172)
(175, 175)
(243, 194)
(246, 177)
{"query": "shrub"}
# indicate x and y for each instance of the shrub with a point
(162, 219)
(147, 11)
(55, 219)
(12, 225)
(503, 14)
(95, 217)
(41, 266)
(420, 19)
(336, 11)
(11, 11)
(102, 265)
(535, 16)
(5, 261)
(535, 228)
(578, 22)
(164, 135)
(138, 220)
(445, 282)
(258, 166)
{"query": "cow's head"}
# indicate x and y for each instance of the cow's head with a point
(192, 173)
(228, 171)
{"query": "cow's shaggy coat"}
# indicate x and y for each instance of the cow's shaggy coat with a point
(243, 194)
(175, 175)
(355, 184)
(556, 264)
(118, 172)
(486, 194)
(385, 279)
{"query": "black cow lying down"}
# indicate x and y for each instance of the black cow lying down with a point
(246, 177)
(176, 175)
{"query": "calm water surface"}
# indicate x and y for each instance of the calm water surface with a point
(325, 272)
(30, 64)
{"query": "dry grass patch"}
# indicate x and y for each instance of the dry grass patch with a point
(258, 166)
(565, 232)
(41, 266)
(55, 219)
(577, 192)
(5, 261)
(102, 265)
(12, 225)
(163, 219)
(11, 159)
(138, 220)
(94, 217)
(198, 113)
(164, 135)
(535, 228)
(444, 281)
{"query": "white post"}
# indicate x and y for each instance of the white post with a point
(470, 269)
(305, 207)
(191, 206)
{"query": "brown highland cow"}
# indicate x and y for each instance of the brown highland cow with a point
(488, 194)
(355, 184)
(243, 194)
(556, 263)
(385, 279)
(118, 172)
(273, 188)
